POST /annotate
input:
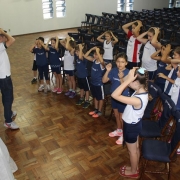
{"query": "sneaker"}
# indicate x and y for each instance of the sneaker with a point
(120, 140)
(72, 95)
(48, 88)
(96, 115)
(41, 88)
(116, 133)
(59, 91)
(34, 81)
(55, 90)
(93, 112)
(178, 151)
(68, 93)
(86, 104)
(81, 101)
(11, 125)
(14, 114)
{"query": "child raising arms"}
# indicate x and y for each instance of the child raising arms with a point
(151, 44)
(108, 45)
(137, 79)
(55, 63)
(82, 76)
(134, 45)
(41, 61)
(70, 45)
(97, 71)
(116, 76)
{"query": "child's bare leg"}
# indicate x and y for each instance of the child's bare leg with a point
(133, 149)
(100, 105)
(87, 95)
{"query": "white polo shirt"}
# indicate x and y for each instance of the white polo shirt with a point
(174, 92)
(5, 69)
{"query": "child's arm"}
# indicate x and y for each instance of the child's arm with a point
(57, 43)
(47, 47)
(125, 27)
(108, 69)
(169, 67)
(137, 28)
(63, 43)
(155, 55)
(141, 38)
(99, 38)
(100, 57)
(42, 44)
(117, 94)
(80, 52)
(166, 77)
(10, 39)
(68, 47)
(114, 37)
(90, 58)
(154, 41)
(175, 60)
(33, 46)
(165, 51)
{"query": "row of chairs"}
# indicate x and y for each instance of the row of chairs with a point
(160, 135)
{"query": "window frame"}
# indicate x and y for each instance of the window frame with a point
(124, 5)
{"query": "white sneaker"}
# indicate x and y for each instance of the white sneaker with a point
(11, 125)
(41, 88)
(48, 88)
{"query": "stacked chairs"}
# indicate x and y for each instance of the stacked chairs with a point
(76, 37)
(87, 20)
(158, 151)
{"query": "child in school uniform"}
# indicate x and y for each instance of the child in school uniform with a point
(116, 75)
(133, 46)
(82, 76)
(151, 44)
(97, 72)
(137, 79)
(34, 67)
(175, 94)
(55, 63)
(41, 61)
(170, 79)
(108, 45)
(69, 45)
(163, 58)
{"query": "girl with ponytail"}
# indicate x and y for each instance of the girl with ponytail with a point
(137, 79)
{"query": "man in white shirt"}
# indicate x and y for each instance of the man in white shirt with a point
(5, 80)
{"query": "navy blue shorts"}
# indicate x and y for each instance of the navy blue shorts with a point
(43, 72)
(69, 72)
(131, 131)
(97, 92)
(56, 70)
(118, 105)
(152, 74)
(34, 68)
(83, 83)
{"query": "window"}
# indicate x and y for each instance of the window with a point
(47, 6)
(60, 8)
(125, 5)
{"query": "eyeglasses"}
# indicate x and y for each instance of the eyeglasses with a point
(141, 70)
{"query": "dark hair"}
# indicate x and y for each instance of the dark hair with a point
(141, 28)
(142, 78)
(72, 43)
(40, 38)
(122, 55)
(151, 30)
(84, 50)
(177, 50)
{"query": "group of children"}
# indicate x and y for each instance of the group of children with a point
(132, 71)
